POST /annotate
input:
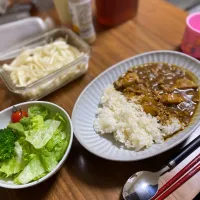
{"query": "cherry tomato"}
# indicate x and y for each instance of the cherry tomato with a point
(17, 115)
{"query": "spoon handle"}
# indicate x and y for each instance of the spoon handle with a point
(186, 151)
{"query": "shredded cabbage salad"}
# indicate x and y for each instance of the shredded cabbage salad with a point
(42, 139)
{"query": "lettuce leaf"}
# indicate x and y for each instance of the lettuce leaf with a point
(31, 171)
(41, 131)
(60, 148)
(27, 150)
(47, 159)
(25, 121)
(11, 167)
(15, 164)
(38, 110)
(17, 128)
(60, 140)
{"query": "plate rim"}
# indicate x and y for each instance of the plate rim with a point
(107, 70)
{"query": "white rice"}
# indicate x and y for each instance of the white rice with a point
(128, 122)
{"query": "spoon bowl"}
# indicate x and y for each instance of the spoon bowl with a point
(142, 185)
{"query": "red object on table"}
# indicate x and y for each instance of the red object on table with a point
(177, 176)
(114, 12)
(182, 180)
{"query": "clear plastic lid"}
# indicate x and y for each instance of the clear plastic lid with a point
(13, 34)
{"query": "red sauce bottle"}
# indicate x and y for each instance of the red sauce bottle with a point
(113, 12)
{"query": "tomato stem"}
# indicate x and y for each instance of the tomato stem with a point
(20, 110)
(14, 109)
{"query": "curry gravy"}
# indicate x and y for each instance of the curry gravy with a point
(163, 90)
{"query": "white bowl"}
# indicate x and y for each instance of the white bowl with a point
(5, 120)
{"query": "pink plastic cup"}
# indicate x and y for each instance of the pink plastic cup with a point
(191, 39)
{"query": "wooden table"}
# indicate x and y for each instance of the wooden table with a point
(84, 176)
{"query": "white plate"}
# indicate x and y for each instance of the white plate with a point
(86, 106)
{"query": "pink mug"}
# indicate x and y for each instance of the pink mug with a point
(191, 39)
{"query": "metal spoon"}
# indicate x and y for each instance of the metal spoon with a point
(143, 185)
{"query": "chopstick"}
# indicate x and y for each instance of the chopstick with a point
(182, 180)
(177, 176)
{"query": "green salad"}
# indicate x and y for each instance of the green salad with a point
(33, 146)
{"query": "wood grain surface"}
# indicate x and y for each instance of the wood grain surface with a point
(158, 26)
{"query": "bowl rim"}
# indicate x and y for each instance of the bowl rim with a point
(78, 137)
(60, 163)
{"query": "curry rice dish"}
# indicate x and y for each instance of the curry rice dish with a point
(154, 97)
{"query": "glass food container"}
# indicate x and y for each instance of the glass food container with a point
(56, 79)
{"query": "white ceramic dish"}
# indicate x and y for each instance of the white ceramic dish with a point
(5, 120)
(86, 106)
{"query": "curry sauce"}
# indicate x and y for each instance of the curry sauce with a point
(163, 90)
